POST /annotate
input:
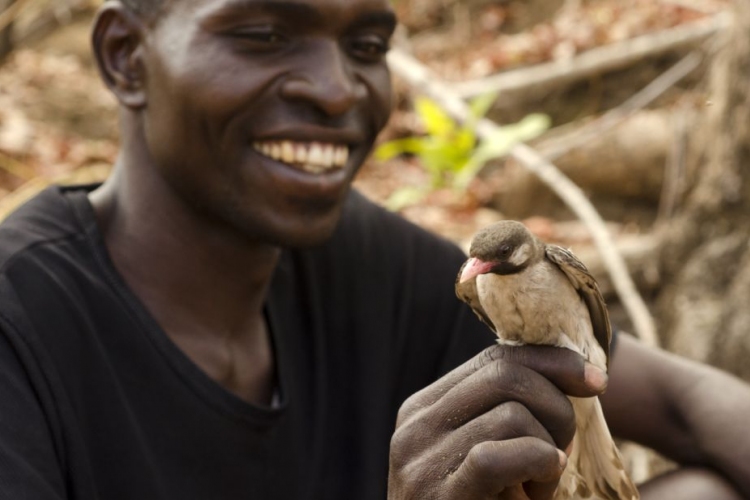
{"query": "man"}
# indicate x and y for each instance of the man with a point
(223, 319)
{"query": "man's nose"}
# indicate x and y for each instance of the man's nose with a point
(326, 80)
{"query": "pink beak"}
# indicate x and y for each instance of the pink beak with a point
(474, 267)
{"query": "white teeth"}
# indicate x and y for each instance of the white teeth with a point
(276, 151)
(287, 152)
(300, 153)
(312, 157)
(341, 156)
(315, 155)
(326, 154)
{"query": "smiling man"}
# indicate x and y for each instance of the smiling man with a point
(225, 319)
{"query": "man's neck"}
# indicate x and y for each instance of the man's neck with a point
(203, 284)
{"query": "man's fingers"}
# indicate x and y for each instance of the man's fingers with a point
(432, 393)
(564, 368)
(507, 421)
(495, 386)
(492, 467)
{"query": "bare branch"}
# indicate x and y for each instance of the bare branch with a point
(594, 61)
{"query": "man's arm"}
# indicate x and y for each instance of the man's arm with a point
(689, 412)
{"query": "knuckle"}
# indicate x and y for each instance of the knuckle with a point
(539, 462)
(405, 480)
(400, 449)
(489, 355)
(480, 462)
(547, 464)
(409, 408)
(410, 440)
(403, 415)
(509, 376)
(403, 438)
(514, 419)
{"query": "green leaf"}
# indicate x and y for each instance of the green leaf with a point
(481, 104)
(508, 136)
(465, 140)
(397, 147)
(450, 153)
(436, 121)
(500, 144)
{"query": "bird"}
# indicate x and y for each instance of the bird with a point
(531, 292)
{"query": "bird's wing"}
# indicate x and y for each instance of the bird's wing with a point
(587, 287)
(467, 291)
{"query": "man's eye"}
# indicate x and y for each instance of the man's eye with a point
(267, 37)
(369, 48)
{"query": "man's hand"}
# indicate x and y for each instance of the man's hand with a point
(492, 428)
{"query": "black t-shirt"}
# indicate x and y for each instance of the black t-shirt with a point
(97, 403)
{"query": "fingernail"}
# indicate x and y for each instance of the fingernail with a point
(594, 377)
(563, 459)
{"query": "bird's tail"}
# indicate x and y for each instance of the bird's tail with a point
(595, 468)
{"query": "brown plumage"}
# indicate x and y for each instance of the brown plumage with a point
(529, 292)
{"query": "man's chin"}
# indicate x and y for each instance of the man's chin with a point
(301, 231)
(309, 238)
(314, 228)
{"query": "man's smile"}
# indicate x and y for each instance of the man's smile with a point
(310, 157)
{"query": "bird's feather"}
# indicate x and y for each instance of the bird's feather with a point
(586, 285)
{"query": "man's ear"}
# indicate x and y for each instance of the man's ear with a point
(117, 43)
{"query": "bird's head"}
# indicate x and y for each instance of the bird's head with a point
(505, 247)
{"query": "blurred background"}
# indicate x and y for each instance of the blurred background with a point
(642, 103)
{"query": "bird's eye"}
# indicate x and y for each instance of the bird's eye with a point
(505, 250)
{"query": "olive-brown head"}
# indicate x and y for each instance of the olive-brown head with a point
(506, 247)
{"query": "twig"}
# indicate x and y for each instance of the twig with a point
(11, 13)
(15, 167)
(47, 20)
(594, 61)
(638, 101)
(639, 253)
(417, 75)
(674, 172)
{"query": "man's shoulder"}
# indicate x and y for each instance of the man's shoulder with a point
(45, 219)
(44, 253)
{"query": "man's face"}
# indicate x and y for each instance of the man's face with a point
(260, 112)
